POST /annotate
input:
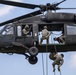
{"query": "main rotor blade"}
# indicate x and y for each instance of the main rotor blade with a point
(58, 3)
(18, 4)
(66, 8)
(21, 17)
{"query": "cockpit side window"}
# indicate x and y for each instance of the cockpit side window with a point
(8, 30)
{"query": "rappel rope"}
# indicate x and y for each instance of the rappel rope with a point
(54, 73)
(60, 72)
(43, 64)
(55, 46)
(46, 60)
(56, 52)
(54, 42)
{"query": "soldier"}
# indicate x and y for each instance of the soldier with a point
(60, 39)
(45, 35)
(26, 30)
(58, 60)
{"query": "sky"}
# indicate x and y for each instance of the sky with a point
(17, 64)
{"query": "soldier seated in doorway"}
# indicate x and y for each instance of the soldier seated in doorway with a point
(26, 30)
(45, 35)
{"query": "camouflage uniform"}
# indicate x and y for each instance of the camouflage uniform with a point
(58, 61)
(26, 30)
(60, 39)
(45, 35)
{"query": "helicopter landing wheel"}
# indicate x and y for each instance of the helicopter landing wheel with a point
(33, 51)
(32, 59)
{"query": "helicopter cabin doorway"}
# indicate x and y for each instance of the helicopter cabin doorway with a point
(27, 34)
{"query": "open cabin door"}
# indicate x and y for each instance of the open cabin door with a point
(70, 32)
(21, 38)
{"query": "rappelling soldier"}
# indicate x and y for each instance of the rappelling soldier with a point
(58, 60)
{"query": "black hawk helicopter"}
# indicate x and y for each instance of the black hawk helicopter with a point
(12, 39)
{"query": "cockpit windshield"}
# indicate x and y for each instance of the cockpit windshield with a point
(7, 30)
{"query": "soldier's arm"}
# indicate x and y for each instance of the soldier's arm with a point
(48, 34)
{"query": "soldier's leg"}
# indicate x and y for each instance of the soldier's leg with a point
(47, 40)
(41, 40)
(62, 39)
(59, 67)
(53, 64)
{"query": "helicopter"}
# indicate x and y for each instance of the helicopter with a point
(12, 39)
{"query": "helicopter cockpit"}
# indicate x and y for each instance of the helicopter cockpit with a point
(7, 30)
